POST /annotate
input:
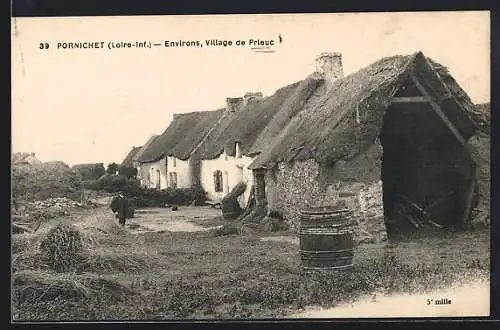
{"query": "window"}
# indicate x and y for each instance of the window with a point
(158, 182)
(172, 179)
(218, 181)
(173, 161)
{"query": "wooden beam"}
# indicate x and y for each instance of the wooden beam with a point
(460, 106)
(435, 106)
(469, 197)
(410, 99)
(444, 97)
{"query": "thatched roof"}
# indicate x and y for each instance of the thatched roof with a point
(131, 156)
(244, 125)
(350, 118)
(484, 110)
(145, 146)
(183, 134)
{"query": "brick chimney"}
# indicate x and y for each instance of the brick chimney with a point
(329, 66)
(252, 96)
(234, 104)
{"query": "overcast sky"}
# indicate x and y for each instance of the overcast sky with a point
(93, 105)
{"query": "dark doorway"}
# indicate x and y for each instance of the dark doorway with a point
(425, 171)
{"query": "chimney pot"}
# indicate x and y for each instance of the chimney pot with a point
(252, 96)
(234, 104)
(329, 66)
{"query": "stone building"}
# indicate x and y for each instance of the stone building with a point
(392, 135)
(389, 139)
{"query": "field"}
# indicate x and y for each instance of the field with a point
(190, 273)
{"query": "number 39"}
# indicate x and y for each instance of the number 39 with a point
(44, 45)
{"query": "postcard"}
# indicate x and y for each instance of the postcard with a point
(270, 166)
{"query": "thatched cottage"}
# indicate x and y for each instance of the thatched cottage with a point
(391, 139)
(165, 162)
(146, 170)
(226, 152)
(131, 157)
(394, 135)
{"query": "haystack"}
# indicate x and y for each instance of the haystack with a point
(98, 245)
(31, 286)
(63, 247)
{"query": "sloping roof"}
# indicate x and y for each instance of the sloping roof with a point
(145, 146)
(131, 156)
(183, 134)
(349, 119)
(484, 114)
(244, 125)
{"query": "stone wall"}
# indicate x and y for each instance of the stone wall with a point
(291, 187)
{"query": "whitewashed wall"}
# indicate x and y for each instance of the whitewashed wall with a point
(182, 169)
(152, 168)
(234, 170)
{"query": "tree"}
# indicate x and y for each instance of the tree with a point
(112, 168)
(90, 171)
(127, 171)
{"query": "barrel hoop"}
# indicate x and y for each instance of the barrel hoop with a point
(327, 216)
(329, 222)
(326, 252)
(332, 267)
(314, 212)
(324, 231)
(326, 257)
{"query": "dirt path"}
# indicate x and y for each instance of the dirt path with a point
(163, 219)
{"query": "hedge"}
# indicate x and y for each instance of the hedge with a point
(147, 197)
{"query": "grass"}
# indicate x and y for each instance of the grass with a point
(202, 276)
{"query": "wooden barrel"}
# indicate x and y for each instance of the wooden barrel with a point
(326, 240)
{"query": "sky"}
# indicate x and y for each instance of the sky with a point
(93, 105)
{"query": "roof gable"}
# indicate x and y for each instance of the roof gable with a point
(129, 159)
(351, 116)
(244, 125)
(181, 136)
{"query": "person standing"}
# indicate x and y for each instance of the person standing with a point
(119, 206)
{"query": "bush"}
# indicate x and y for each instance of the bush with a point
(127, 171)
(112, 168)
(148, 197)
(90, 171)
(33, 182)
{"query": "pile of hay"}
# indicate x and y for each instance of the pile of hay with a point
(63, 247)
(46, 285)
(26, 254)
(98, 246)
